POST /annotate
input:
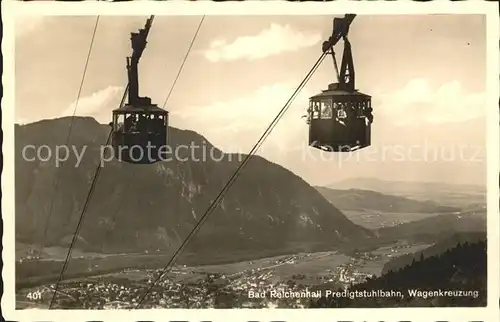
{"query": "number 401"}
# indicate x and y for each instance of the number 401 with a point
(37, 295)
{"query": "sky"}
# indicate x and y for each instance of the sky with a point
(426, 74)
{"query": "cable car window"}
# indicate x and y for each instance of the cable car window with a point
(326, 109)
(130, 123)
(352, 106)
(308, 115)
(156, 124)
(360, 108)
(316, 111)
(118, 122)
(142, 123)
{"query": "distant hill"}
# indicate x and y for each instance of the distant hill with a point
(357, 199)
(432, 229)
(462, 268)
(442, 193)
(153, 207)
(436, 250)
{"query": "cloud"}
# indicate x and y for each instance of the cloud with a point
(238, 123)
(418, 102)
(271, 41)
(97, 103)
(256, 110)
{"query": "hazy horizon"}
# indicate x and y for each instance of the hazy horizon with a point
(426, 73)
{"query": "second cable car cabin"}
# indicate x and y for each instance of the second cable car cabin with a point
(340, 117)
(338, 120)
(140, 128)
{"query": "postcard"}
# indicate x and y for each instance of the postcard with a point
(272, 161)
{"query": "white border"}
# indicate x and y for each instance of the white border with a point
(10, 9)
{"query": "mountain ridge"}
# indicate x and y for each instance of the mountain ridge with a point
(365, 181)
(360, 199)
(461, 195)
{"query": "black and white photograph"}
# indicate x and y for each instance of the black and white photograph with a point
(252, 161)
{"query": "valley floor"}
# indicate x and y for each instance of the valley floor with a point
(225, 285)
(374, 220)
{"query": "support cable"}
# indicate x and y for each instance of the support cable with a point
(78, 226)
(56, 183)
(183, 62)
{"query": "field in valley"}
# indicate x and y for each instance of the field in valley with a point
(373, 220)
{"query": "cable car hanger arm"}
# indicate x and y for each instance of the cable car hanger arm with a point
(139, 41)
(346, 77)
(340, 30)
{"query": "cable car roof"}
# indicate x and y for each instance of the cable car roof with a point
(339, 92)
(140, 109)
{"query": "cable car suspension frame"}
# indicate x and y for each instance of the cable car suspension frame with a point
(340, 117)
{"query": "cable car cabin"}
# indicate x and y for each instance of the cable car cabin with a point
(140, 134)
(339, 120)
